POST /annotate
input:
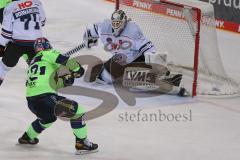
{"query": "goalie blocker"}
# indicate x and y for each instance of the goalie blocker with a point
(147, 73)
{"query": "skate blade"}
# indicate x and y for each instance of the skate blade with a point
(85, 152)
(26, 145)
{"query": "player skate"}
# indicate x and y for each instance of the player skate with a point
(85, 146)
(25, 139)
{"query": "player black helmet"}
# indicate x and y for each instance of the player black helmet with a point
(119, 20)
(42, 44)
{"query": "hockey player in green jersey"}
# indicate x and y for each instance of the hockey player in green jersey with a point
(42, 83)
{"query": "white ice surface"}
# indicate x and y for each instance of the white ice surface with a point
(213, 133)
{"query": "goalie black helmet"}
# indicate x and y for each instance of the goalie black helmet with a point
(119, 20)
(42, 44)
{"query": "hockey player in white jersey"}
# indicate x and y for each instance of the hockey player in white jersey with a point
(22, 25)
(130, 48)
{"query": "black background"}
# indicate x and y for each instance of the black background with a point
(226, 13)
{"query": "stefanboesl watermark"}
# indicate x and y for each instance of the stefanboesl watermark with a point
(156, 116)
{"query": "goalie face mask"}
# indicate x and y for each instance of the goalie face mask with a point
(42, 44)
(119, 20)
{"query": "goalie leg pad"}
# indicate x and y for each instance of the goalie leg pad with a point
(146, 79)
(117, 69)
(113, 67)
(156, 58)
(159, 70)
(174, 79)
(106, 77)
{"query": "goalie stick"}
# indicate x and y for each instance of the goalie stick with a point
(74, 50)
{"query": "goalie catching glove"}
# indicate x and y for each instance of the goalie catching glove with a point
(89, 40)
(79, 73)
(68, 79)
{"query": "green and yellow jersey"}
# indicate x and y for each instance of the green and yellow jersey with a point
(42, 72)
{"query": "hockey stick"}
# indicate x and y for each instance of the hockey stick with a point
(74, 50)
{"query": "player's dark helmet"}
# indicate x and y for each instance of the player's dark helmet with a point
(119, 20)
(42, 44)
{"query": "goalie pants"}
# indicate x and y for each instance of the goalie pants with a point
(44, 107)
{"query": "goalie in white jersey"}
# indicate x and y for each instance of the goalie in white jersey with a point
(22, 25)
(130, 48)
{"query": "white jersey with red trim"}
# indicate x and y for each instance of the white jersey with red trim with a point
(130, 44)
(22, 20)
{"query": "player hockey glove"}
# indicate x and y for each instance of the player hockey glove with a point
(2, 48)
(68, 79)
(78, 73)
(89, 40)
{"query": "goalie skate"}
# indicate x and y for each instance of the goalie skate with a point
(183, 92)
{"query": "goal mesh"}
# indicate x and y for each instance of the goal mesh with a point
(185, 29)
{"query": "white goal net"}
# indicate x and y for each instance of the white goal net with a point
(186, 30)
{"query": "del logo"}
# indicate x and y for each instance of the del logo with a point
(25, 4)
